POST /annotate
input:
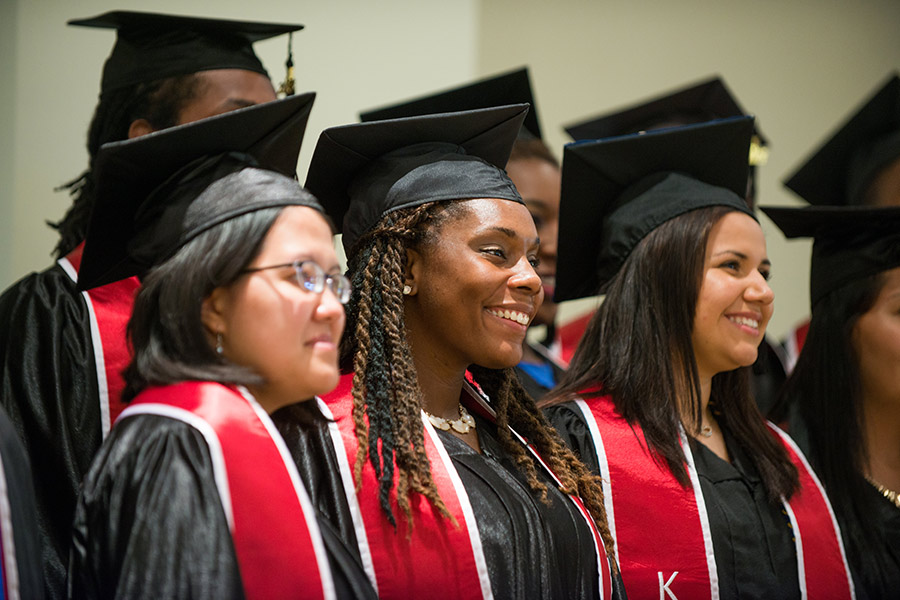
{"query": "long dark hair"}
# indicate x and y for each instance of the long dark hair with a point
(168, 339)
(638, 350)
(159, 102)
(825, 391)
(386, 388)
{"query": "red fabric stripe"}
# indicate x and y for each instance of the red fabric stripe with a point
(271, 536)
(658, 530)
(823, 561)
(434, 558)
(112, 306)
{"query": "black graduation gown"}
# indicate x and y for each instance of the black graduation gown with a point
(48, 386)
(19, 492)
(150, 524)
(532, 549)
(752, 540)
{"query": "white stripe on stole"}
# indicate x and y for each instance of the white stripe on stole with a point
(362, 540)
(220, 473)
(306, 505)
(799, 544)
(10, 567)
(603, 463)
(471, 524)
(704, 517)
(97, 345)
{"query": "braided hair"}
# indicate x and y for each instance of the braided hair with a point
(159, 102)
(386, 389)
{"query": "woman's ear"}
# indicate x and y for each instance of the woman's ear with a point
(411, 272)
(213, 311)
(139, 127)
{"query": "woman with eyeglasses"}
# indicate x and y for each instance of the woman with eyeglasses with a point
(194, 494)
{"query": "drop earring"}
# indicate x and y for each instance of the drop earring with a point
(219, 349)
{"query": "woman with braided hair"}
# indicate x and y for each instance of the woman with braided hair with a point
(463, 489)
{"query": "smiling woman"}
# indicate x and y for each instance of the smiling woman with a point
(656, 399)
(430, 420)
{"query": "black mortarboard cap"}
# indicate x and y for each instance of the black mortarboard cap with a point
(238, 162)
(705, 101)
(153, 46)
(839, 172)
(851, 242)
(363, 171)
(513, 87)
(616, 191)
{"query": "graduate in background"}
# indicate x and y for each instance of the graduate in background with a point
(535, 172)
(859, 165)
(704, 101)
(194, 493)
(704, 498)
(20, 545)
(62, 351)
(842, 400)
(452, 503)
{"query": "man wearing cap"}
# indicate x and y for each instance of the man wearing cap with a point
(859, 165)
(62, 351)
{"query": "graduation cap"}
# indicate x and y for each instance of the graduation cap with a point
(157, 192)
(363, 171)
(616, 191)
(705, 101)
(153, 46)
(513, 87)
(839, 172)
(851, 242)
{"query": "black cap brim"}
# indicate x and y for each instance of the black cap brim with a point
(127, 172)
(827, 178)
(513, 87)
(596, 173)
(851, 242)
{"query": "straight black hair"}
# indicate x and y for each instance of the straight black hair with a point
(638, 350)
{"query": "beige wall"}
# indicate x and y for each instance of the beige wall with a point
(799, 64)
(356, 54)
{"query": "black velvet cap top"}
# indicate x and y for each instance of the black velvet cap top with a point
(157, 192)
(616, 191)
(153, 46)
(513, 87)
(839, 172)
(705, 101)
(362, 172)
(851, 242)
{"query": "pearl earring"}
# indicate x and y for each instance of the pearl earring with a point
(407, 290)
(219, 349)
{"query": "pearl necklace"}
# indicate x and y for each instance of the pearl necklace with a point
(891, 495)
(463, 424)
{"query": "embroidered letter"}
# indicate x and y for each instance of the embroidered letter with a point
(664, 587)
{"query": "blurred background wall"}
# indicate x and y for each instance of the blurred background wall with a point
(800, 65)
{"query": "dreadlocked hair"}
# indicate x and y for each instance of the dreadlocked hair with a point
(386, 395)
(385, 388)
(159, 102)
(515, 408)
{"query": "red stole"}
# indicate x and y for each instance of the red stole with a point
(434, 558)
(569, 334)
(273, 524)
(793, 345)
(109, 307)
(662, 533)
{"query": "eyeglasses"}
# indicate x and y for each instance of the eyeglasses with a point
(312, 278)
